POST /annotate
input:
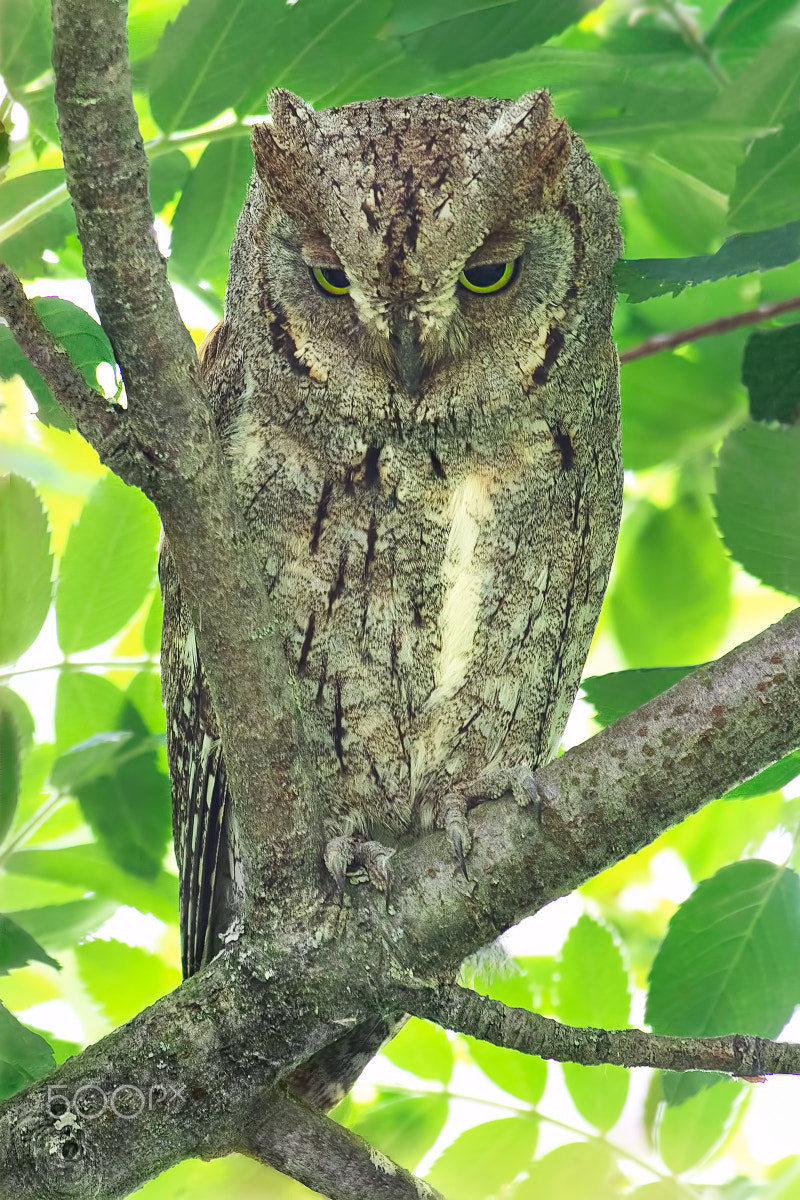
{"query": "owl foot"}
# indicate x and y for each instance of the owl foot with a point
(450, 811)
(352, 855)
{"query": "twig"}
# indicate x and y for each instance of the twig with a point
(691, 35)
(302, 1142)
(668, 341)
(467, 1012)
(99, 421)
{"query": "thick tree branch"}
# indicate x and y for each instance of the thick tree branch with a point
(243, 1023)
(467, 1012)
(601, 801)
(173, 451)
(301, 1142)
(668, 341)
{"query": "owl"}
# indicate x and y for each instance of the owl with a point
(417, 392)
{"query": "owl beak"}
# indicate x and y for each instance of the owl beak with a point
(407, 354)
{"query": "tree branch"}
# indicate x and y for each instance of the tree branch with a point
(601, 801)
(243, 1023)
(101, 423)
(303, 1143)
(467, 1012)
(173, 452)
(668, 341)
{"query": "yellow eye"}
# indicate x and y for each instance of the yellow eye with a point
(332, 280)
(491, 277)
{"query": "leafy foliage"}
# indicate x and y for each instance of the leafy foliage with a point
(694, 116)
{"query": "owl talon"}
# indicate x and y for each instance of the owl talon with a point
(352, 856)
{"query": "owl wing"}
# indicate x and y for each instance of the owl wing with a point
(199, 788)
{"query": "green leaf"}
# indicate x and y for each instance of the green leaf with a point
(771, 374)
(593, 982)
(10, 749)
(82, 338)
(758, 503)
(114, 545)
(218, 55)
(641, 279)
(60, 926)
(769, 89)
(18, 947)
(86, 704)
(770, 780)
(577, 1171)
(315, 46)
(89, 868)
(403, 1127)
(454, 35)
(521, 1075)
(151, 634)
(205, 59)
(671, 599)
(593, 991)
(423, 1049)
(26, 566)
(130, 810)
(205, 219)
(144, 691)
(25, 236)
(25, 42)
(688, 1132)
(25, 57)
(98, 755)
(614, 695)
(168, 175)
(747, 22)
(484, 1159)
(11, 702)
(101, 966)
(146, 21)
(723, 967)
(672, 406)
(24, 1055)
(768, 181)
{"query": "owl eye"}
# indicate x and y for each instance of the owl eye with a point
(489, 277)
(332, 280)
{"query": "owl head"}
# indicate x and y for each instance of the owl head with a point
(420, 244)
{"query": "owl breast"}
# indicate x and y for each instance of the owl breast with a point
(412, 582)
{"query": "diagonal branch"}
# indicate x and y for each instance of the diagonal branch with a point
(668, 341)
(303, 1143)
(101, 423)
(601, 801)
(467, 1012)
(173, 452)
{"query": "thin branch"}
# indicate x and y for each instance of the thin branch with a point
(174, 453)
(690, 33)
(100, 422)
(302, 1142)
(668, 341)
(467, 1012)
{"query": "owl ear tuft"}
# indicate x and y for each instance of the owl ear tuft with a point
(529, 147)
(284, 149)
(291, 116)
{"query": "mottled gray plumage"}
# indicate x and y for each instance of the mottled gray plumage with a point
(431, 476)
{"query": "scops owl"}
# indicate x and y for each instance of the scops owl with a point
(417, 391)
